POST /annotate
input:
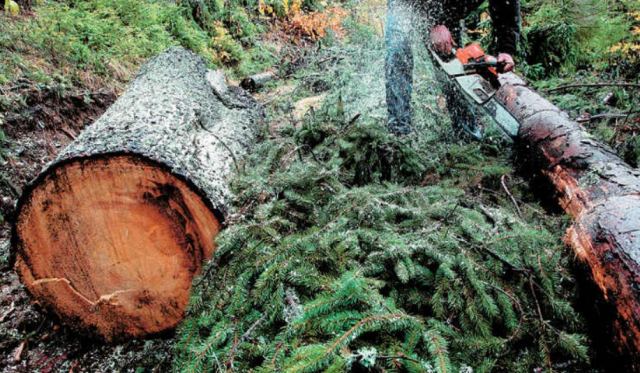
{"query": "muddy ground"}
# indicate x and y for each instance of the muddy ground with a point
(30, 338)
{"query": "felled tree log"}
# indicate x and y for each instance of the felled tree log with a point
(255, 82)
(110, 235)
(602, 194)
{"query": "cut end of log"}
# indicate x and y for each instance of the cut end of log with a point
(113, 242)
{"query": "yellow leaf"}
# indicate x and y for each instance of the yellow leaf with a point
(11, 7)
(615, 48)
(296, 5)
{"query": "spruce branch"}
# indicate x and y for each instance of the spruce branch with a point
(244, 337)
(506, 190)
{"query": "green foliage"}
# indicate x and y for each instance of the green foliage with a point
(112, 37)
(572, 34)
(551, 36)
(97, 34)
(587, 41)
(626, 144)
(632, 151)
(341, 260)
(229, 24)
(561, 36)
(345, 256)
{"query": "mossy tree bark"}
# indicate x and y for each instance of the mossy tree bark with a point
(111, 234)
(599, 191)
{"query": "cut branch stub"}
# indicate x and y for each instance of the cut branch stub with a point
(111, 234)
(599, 191)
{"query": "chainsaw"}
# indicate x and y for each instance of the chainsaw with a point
(476, 80)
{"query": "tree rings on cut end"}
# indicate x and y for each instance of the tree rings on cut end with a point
(112, 243)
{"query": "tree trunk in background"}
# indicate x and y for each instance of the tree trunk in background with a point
(600, 192)
(25, 5)
(111, 234)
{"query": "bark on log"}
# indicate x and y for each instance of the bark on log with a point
(602, 194)
(255, 82)
(110, 235)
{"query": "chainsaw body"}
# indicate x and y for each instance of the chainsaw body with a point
(477, 81)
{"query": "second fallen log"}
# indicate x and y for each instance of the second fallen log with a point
(599, 191)
(111, 234)
(255, 82)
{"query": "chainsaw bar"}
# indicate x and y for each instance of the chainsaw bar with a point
(479, 92)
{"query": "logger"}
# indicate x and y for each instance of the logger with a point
(593, 185)
(110, 235)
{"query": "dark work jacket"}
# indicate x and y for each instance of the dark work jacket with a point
(505, 15)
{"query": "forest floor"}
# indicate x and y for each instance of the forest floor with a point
(31, 339)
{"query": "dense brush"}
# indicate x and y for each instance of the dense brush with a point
(342, 260)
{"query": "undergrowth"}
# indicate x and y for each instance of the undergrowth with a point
(98, 44)
(355, 250)
(64, 39)
(67, 39)
(583, 42)
(343, 260)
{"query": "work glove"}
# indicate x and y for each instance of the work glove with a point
(505, 63)
(441, 40)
